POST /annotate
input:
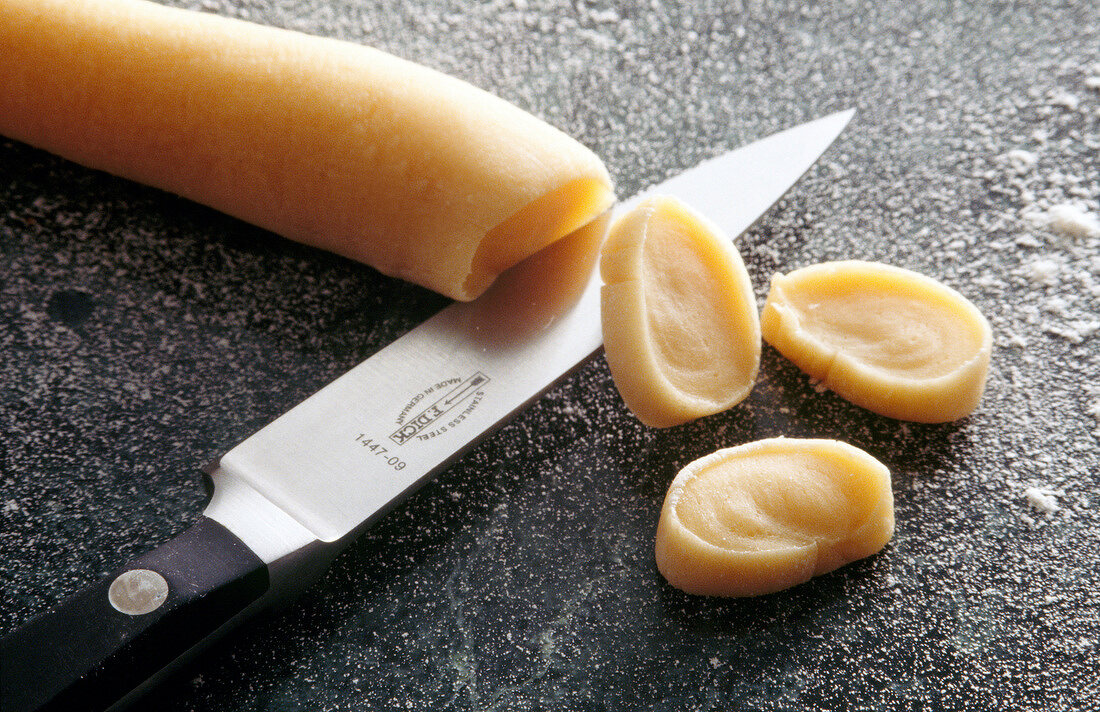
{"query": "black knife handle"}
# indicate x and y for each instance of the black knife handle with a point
(88, 653)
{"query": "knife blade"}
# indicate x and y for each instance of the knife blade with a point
(290, 497)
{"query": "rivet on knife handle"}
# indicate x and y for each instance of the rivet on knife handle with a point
(103, 642)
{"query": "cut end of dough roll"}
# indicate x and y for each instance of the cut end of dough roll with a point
(681, 330)
(768, 515)
(418, 174)
(540, 223)
(888, 339)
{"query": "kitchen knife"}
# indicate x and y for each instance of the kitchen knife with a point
(289, 498)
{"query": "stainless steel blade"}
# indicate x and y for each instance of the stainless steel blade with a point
(343, 457)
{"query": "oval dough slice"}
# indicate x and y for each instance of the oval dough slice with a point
(888, 339)
(339, 146)
(681, 332)
(768, 515)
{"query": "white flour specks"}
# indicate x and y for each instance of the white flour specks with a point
(1064, 99)
(1074, 332)
(1043, 499)
(1020, 161)
(1044, 271)
(1070, 220)
(969, 135)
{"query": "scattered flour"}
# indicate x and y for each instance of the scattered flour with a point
(1093, 408)
(1076, 331)
(1044, 271)
(1064, 99)
(913, 164)
(1065, 219)
(1020, 161)
(1043, 499)
(1068, 219)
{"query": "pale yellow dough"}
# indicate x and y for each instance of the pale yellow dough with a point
(768, 515)
(888, 339)
(680, 328)
(340, 146)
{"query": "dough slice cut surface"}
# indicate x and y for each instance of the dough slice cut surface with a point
(768, 515)
(888, 339)
(333, 144)
(681, 331)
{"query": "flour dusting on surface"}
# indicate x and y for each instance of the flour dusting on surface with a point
(142, 336)
(1043, 499)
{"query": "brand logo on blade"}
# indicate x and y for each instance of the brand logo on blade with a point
(455, 399)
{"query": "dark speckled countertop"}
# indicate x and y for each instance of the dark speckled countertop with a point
(142, 335)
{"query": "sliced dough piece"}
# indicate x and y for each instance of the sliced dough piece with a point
(340, 146)
(680, 327)
(768, 515)
(888, 339)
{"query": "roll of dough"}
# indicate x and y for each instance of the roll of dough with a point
(333, 144)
